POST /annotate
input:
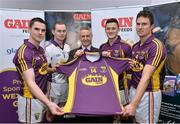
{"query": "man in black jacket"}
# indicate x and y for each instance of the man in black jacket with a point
(85, 37)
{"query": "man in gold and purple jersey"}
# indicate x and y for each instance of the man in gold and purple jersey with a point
(116, 47)
(149, 55)
(31, 65)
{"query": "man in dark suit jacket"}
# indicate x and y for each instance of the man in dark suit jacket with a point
(85, 37)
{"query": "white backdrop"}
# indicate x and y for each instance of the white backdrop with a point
(13, 30)
(127, 21)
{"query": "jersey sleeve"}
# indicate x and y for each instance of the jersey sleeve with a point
(24, 59)
(118, 64)
(155, 54)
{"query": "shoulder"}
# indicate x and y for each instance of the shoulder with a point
(24, 52)
(156, 43)
(94, 49)
(135, 45)
(125, 44)
(48, 45)
(102, 45)
(67, 48)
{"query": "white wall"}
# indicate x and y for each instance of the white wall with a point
(68, 4)
(75, 4)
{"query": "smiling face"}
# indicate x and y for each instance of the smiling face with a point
(143, 27)
(85, 37)
(111, 30)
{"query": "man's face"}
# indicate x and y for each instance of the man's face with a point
(85, 37)
(59, 32)
(111, 30)
(37, 31)
(143, 27)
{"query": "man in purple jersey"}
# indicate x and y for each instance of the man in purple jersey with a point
(116, 47)
(149, 55)
(31, 65)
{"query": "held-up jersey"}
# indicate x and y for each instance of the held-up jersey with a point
(93, 84)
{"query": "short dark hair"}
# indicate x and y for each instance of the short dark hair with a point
(85, 28)
(112, 20)
(58, 23)
(36, 19)
(147, 14)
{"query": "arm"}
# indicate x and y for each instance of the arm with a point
(29, 77)
(146, 75)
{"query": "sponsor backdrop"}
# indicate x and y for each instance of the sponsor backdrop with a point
(126, 18)
(14, 24)
(74, 21)
(167, 28)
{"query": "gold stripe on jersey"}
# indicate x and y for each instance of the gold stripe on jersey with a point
(72, 90)
(26, 92)
(114, 78)
(158, 55)
(161, 51)
(21, 58)
(155, 77)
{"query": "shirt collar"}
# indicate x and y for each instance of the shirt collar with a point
(55, 43)
(89, 47)
(148, 40)
(116, 41)
(32, 46)
(29, 44)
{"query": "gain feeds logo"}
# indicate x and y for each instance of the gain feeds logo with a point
(94, 79)
(125, 23)
(10, 51)
(16, 23)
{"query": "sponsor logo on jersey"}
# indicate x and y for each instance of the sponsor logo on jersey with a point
(43, 69)
(94, 79)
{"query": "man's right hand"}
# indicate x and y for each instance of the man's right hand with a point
(55, 109)
(79, 53)
(106, 54)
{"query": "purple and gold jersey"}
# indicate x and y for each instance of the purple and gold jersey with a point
(119, 49)
(93, 84)
(27, 57)
(152, 52)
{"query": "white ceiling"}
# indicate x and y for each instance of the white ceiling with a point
(74, 4)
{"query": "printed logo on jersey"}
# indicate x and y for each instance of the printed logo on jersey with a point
(94, 79)
(138, 66)
(37, 115)
(116, 53)
(43, 69)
